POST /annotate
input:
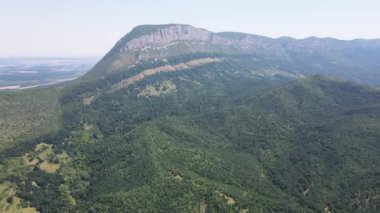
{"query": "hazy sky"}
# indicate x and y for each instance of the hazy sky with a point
(91, 27)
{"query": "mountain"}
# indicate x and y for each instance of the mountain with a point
(352, 60)
(179, 119)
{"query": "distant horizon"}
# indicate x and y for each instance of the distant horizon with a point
(51, 57)
(100, 56)
(85, 28)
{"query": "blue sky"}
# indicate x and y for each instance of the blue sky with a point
(91, 27)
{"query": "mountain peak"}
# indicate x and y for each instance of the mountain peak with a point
(148, 35)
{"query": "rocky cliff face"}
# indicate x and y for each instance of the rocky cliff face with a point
(164, 35)
(168, 35)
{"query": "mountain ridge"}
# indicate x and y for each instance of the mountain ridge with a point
(327, 56)
(153, 28)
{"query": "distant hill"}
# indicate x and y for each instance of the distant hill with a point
(179, 119)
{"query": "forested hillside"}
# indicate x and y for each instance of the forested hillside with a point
(28, 113)
(183, 120)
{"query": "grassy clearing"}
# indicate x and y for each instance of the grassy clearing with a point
(50, 160)
(244, 210)
(158, 89)
(6, 191)
(15, 207)
(49, 167)
(229, 200)
(45, 158)
(88, 100)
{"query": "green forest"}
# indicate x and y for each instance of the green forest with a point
(203, 137)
